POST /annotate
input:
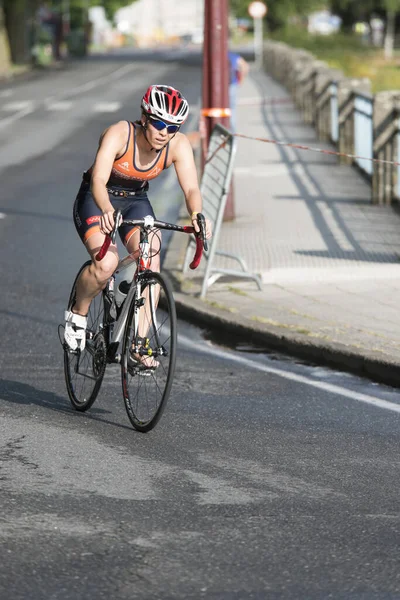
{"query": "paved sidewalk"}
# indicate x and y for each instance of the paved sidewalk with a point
(328, 258)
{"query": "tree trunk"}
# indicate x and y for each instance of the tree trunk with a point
(5, 57)
(389, 36)
(18, 17)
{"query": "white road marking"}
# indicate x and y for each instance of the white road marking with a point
(59, 106)
(106, 107)
(27, 107)
(15, 106)
(2, 216)
(326, 387)
(16, 116)
(89, 85)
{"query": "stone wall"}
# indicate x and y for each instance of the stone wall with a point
(309, 82)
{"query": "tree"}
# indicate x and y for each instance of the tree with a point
(392, 7)
(18, 22)
(352, 11)
(78, 19)
(19, 16)
(111, 6)
(279, 11)
(5, 56)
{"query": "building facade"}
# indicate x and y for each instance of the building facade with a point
(153, 21)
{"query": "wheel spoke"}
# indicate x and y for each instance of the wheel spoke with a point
(84, 372)
(146, 390)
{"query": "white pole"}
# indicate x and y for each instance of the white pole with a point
(258, 42)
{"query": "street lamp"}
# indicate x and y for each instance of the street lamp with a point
(258, 10)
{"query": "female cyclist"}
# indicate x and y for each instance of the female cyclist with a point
(129, 155)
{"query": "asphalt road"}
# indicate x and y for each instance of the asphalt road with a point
(265, 478)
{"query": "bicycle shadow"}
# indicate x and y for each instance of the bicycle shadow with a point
(23, 394)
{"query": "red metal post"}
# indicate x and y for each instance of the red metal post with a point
(215, 60)
(206, 69)
(216, 71)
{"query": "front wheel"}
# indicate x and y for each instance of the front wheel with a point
(151, 333)
(84, 371)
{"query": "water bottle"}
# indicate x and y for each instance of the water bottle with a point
(121, 292)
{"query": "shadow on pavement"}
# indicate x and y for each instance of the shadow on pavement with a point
(23, 394)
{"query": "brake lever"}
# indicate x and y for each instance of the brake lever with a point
(202, 233)
(117, 223)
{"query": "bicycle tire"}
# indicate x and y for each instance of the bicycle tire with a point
(84, 371)
(146, 391)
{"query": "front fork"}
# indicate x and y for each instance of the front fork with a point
(141, 341)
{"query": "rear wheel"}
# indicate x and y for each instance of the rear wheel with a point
(84, 371)
(150, 332)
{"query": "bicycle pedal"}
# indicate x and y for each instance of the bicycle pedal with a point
(65, 347)
(70, 351)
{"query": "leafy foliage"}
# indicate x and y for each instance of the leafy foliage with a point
(278, 10)
(110, 6)
(351, 11)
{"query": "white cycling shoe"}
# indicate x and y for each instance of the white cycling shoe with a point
(75, 331)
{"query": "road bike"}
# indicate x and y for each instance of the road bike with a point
(139, 332)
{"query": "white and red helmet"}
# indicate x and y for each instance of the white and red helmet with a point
(166, 103)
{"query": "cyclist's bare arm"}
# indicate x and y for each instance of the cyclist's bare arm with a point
(112, 144)
(187, 176)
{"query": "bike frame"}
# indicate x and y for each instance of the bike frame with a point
(143, 263)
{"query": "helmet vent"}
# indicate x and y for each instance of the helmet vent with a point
(166, 103)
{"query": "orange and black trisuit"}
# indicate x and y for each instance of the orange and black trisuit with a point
(127, 189)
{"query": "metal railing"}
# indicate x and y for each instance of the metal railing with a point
(334, 112)
(342, 110)
(386, 184)
(398, 153)
(214, 187)
(364, 131)
(305, 97)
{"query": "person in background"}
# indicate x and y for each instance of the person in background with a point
(238, 69)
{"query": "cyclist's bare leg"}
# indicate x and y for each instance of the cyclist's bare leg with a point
(94, 278)
(133, 247)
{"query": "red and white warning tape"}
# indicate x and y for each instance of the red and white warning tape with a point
(320, 150)
(301, 147)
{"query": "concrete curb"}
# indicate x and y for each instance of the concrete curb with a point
(233, 327)
(369, 365)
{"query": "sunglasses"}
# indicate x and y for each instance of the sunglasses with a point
(160, 125)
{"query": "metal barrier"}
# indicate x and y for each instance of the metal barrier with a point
(358, 123)
(398, 154)
(306, 97)
(364, 131)
(215, 184)
(386, 176)
(323, 111)
(334, 120)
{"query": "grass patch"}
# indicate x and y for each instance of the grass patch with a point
(237, 291)
(221, 306)
(348, 54)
